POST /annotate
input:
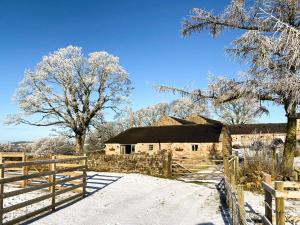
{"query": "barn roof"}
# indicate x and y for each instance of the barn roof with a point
(202, 120)
(191, 133)
(182, 121)
(263, 128)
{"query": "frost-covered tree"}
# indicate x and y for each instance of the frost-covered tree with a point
(240, 111)
(184, 107)
(142, 117)
(96, 139)
(57, 145)
(71, 91)
(269, 45)
(148, 116)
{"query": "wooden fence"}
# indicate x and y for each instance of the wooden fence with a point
(15, 157)
(280, 191)
(234, 193)
(65, 175)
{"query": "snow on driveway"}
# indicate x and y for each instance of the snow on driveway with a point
(135, 199)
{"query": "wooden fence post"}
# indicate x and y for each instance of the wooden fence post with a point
(276, 161)
(233, 188)
(273, 159)
(241, 200)
(268, 199)
(84, 176)
(53, 179)
(50, 156)
(225, 164)
(24, 170)
(279, 202)
(296, 175)
(169, 164)
(1, 192)
(233, 175)
(226, 176)
(236, 167)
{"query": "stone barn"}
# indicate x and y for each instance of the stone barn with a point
(267, 133)
(194, 137)
(189, 140)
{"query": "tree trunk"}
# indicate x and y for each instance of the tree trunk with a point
(79, 143)
(226, 148)
(290, 143)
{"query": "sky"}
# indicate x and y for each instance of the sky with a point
(144, 34)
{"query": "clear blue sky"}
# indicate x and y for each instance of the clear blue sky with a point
(145, 34)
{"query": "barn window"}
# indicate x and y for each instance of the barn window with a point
(194, 148)
(150, 147)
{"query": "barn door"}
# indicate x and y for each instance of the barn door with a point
(122, 150)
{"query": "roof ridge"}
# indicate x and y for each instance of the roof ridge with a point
(176, 125)
(245, 124)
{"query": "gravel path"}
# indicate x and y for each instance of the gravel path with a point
(135, 199)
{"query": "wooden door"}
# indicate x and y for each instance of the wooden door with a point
(122, 150)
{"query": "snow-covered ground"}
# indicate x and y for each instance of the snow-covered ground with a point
(135, 199)
(25, 197)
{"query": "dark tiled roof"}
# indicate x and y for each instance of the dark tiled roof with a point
(169, 134)
(182, 121)
(263, 128)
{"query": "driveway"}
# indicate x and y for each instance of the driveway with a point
(135, 199)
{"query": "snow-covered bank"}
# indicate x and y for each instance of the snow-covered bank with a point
(135, 199)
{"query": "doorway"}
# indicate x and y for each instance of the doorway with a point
(127, 149)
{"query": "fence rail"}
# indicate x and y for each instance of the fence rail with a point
(64, 174)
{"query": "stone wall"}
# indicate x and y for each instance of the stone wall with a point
(155, 165)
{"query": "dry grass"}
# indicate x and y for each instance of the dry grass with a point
(258, 161)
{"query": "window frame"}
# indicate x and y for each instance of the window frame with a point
(195, 147)
(150, 147)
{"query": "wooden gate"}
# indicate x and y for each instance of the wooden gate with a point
(197, 170)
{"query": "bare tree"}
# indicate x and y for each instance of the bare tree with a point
(270, 44)
(71, 91)
(240, 111)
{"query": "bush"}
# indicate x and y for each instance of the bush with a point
(259, 160)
